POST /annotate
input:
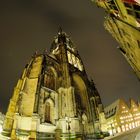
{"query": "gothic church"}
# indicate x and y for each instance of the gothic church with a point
(54, 98)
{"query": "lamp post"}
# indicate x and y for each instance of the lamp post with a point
(68, 121)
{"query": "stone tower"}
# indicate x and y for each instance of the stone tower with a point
(54, 96)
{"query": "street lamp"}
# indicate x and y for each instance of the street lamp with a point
(68, 121)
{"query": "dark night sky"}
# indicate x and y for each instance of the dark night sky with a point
(30, 25)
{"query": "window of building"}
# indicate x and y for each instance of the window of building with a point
(123, 32)
(49, 80)
(127, 5)
(128, 45)
(133, 9)
(130, 12)
(112, 2)
(112, 110)
(112, 5)
(136, 7)
(137, 15)
(123, 107)
(75, 61)
(119, 129)
(122, 50)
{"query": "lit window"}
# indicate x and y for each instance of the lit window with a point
(133, 125)
(118, 129)
(130, 126)
(123, 128)
(123, 106)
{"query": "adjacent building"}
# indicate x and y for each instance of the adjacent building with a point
(135, 111)
(121, 117)
(54, 97)
(123, 22)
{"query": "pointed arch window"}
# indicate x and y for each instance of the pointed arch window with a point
(49, 80)
(75, 61)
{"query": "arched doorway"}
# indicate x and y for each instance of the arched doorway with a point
(49, 111)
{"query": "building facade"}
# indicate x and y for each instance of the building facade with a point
(1, 121)
(135, 111)
(123, 22)
(121, 117)
(54, 97)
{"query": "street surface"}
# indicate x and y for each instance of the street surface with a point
(129, 135)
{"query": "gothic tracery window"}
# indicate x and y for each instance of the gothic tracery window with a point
(49, 80)
(75, 61)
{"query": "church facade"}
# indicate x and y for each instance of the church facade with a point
(54, 98)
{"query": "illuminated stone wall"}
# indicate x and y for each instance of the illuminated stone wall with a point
(123, 22)
(120, 117)
(54, 97)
